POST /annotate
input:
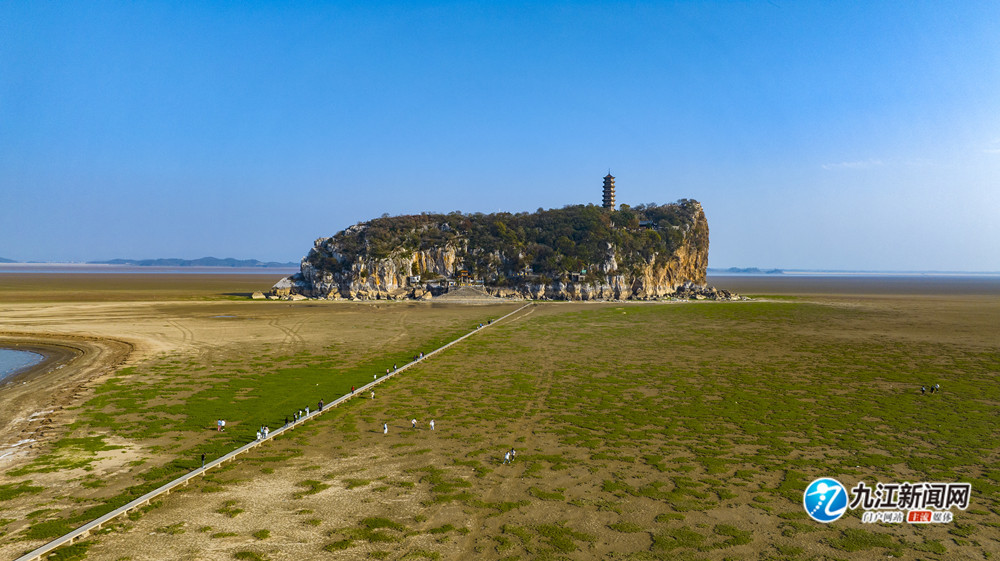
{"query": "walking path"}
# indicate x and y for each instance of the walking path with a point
(183, 480)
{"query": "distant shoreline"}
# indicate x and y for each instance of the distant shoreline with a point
(91, 268)
(825, 273)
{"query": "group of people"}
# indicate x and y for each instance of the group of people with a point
(934, 388)
(303, 413)
(509, 456)
(413, 422)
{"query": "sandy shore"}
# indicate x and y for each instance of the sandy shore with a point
(34, 399)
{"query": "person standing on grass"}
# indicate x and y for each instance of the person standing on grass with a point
(414, 421)
(385, 428)
(923, 390)
(432, 424)
(506, 458)
(223, 426)
(373, 394)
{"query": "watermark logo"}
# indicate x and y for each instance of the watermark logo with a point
(916, 503)
(825, 500)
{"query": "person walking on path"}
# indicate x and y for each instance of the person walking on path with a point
(432, 424)
(321, 405)
(385, 428)
(202, 460)
(307, 411)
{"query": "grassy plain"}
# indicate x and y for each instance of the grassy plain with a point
(643, 431)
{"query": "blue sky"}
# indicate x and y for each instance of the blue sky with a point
(817, 135)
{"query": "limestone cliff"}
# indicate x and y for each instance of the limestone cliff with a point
(573, 253)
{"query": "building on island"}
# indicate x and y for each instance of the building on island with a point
(609, 191)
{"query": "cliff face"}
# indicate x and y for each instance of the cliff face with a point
(576, 253)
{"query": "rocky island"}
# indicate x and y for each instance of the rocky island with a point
(581, 252)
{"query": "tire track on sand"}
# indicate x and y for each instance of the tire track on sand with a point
(291, 334)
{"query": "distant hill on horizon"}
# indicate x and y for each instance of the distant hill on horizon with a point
(2, 260)
(203, 262)
(748, 271)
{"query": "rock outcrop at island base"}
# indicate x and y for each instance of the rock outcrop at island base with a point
(592, 254)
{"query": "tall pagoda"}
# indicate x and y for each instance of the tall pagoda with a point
(609, 191)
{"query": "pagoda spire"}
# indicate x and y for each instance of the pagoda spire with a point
(609, 191)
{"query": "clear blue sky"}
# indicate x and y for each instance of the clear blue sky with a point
(841, 135)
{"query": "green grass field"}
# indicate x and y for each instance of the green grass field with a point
(699, 426)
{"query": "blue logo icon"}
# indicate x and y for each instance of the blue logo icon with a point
(825, 500)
